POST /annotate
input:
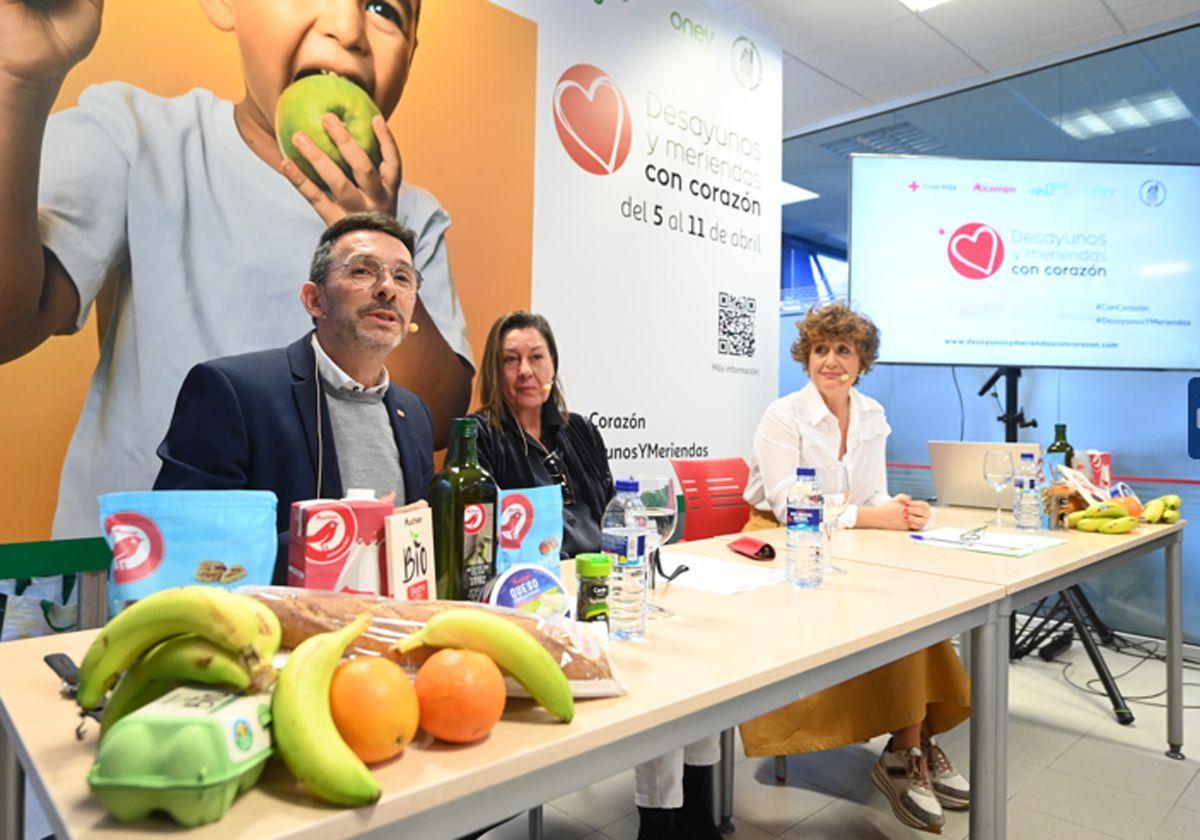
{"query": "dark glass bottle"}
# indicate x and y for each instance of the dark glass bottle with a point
(1060, 452)
(463, 498)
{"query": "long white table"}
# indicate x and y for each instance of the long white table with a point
(721, 660)
(1024, 580)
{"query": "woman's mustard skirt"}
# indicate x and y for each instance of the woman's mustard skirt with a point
(929, 685)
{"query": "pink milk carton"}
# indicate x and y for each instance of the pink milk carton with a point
(338, 545)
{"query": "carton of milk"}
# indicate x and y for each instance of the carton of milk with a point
(411, 573)
(338, 545)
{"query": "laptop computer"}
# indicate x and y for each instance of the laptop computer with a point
(958, 471)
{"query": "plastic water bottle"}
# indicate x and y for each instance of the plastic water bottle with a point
(625, 536)
(806, 538)
(1027, 496)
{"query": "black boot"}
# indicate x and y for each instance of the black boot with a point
(696, 816)
(659, 824)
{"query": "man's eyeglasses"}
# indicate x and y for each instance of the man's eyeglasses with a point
(368, 272)
(558, 474)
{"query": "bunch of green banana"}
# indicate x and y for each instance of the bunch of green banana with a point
(508, 645)
(1164, 509)
(236, 623)
(179, 660)
(1105, 518)
(304, 731)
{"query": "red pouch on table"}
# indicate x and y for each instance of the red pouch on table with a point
(753, 548)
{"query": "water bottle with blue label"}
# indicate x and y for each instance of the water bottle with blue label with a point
(624, 536)
(805, 537)
(1027, 495)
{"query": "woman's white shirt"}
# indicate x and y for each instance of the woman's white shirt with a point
(799, 429)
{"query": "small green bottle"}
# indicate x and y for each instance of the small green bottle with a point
(592, 572)
(1060, 452)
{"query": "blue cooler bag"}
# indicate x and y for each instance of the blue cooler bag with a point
(166, 538)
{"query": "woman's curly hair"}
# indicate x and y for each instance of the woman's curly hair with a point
(837, 322)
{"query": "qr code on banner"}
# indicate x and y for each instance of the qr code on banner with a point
(736, 323)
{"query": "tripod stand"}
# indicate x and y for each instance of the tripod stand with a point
(1067, 606)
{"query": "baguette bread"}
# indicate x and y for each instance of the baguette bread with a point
(305, 612)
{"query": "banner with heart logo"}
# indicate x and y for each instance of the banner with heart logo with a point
(657, 223)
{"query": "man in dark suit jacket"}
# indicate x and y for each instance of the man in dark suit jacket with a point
(320, 416)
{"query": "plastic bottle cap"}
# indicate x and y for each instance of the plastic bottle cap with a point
(627, 485)
(806, 472)
(1026, 456)
(593, 565)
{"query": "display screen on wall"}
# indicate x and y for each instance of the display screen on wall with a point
(1027, 263)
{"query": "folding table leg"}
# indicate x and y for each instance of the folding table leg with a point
(535, 823)
(725, 823)
(12, 791)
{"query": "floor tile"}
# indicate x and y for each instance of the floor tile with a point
(957, 745)
(1028, 824)
(599, 804)
(555, 826)
(1099, 807)
(1180, 824)
(865, 814)
(838, 771)
(1135, 769)
(1190, 798)
(773, 808)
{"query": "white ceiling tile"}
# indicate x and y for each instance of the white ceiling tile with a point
(979, 26)
(802, 85)
(1135, 15)
(898, 50)
(1045, 45)
(801, 117)
(801, 26)
(923, 82)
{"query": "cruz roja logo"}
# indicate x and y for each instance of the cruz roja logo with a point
(747, 63)
(592, 119)
(975, 250)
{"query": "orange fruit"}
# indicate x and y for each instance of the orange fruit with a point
(461, 694)
(374, 707)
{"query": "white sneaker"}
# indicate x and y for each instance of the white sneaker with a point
(903, 777)
(949, 786)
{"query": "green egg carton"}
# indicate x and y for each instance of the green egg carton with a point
(189, 754)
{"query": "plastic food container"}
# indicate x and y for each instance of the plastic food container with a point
(189, 754)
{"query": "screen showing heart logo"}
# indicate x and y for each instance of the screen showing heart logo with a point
(975, 251)
(592, 119)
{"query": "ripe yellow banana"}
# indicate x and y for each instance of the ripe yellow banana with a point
(303, 726)
(508, 645)
(1154, 510)
(1172, 501)
(1170, 516)
(270, 632)
(182, 659)
(1074, 517)
(1111, 510)
(1091, 523)
(1119, 526)
(229, 620)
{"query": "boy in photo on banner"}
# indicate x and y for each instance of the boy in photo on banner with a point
(185, 212)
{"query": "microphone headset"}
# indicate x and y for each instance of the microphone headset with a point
(845, 377)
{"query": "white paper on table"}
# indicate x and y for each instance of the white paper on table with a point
(1010, 545)
(720, 577)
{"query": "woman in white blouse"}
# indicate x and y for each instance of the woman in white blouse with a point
(914, 698)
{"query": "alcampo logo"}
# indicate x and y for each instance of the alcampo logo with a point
(976, 251)
(137, 546)
(592, 119)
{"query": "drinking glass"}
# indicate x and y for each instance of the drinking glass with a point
(658, 495)
(998, 472)
(834, 481)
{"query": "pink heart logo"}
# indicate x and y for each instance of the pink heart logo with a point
(976, 250)
(592, 119)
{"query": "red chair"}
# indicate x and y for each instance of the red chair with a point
(712, 496)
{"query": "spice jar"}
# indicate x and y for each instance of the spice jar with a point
(591, 577)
